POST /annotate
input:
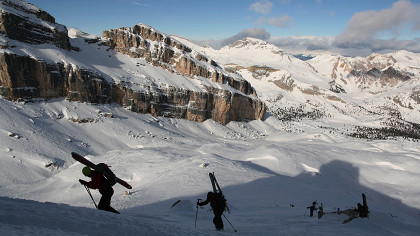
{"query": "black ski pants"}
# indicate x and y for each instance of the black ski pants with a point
(105, 202)
(217, 220)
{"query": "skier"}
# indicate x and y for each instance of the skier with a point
(312, 208)
(361, 210)
(218, 204)
(320, 211)
(98, 181)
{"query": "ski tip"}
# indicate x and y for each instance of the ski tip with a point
(175, 203)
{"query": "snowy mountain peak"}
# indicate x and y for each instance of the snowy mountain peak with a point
(250, 43)
(76, 33)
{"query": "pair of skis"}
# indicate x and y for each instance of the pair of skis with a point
(214, 183)
(86, 162)
(216, 188)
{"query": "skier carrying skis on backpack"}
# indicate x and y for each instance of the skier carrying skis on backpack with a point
(98, 181)
(218, 204)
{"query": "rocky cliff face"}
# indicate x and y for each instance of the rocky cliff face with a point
(25, 22)
(26, 77)
(220, 105)
(166, 52)
(23, 77)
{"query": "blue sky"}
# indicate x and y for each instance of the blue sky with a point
(217, 22)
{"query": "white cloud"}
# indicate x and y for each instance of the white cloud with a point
(363, 27)
(310, 44)
(262, 6)
(141, 4)
(265, 7)
(137, 3)
(303, 43)
(281, 21)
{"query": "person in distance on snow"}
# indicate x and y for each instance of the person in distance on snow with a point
(312, 209)
(218, 204)
(98, 181)
(361, 210)
(320, 211)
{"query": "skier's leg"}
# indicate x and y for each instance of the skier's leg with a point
(105, 202)
(217, 220)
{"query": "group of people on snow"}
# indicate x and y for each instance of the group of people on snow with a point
(217, 200)
(360, 211)
(99, 181)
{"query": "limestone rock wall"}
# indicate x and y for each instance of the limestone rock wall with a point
(164, 51)
(31, 25)
(26, 78)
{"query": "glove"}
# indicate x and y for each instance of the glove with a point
(82, 181)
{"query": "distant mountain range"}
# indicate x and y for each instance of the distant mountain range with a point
(148, 71)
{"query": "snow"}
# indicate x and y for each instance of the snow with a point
(262, 168)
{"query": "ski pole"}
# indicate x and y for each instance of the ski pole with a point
(196, 213)
(230, 223)
(87, 189)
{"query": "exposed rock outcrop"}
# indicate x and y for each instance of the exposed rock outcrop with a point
(379, 70)
(26, 78)
(24, 22)
(23, 77)
(166, 52)
(388, 77)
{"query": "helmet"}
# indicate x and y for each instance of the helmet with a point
(210, 195)
(86, 171)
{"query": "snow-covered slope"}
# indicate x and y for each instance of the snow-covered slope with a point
(263, 170)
